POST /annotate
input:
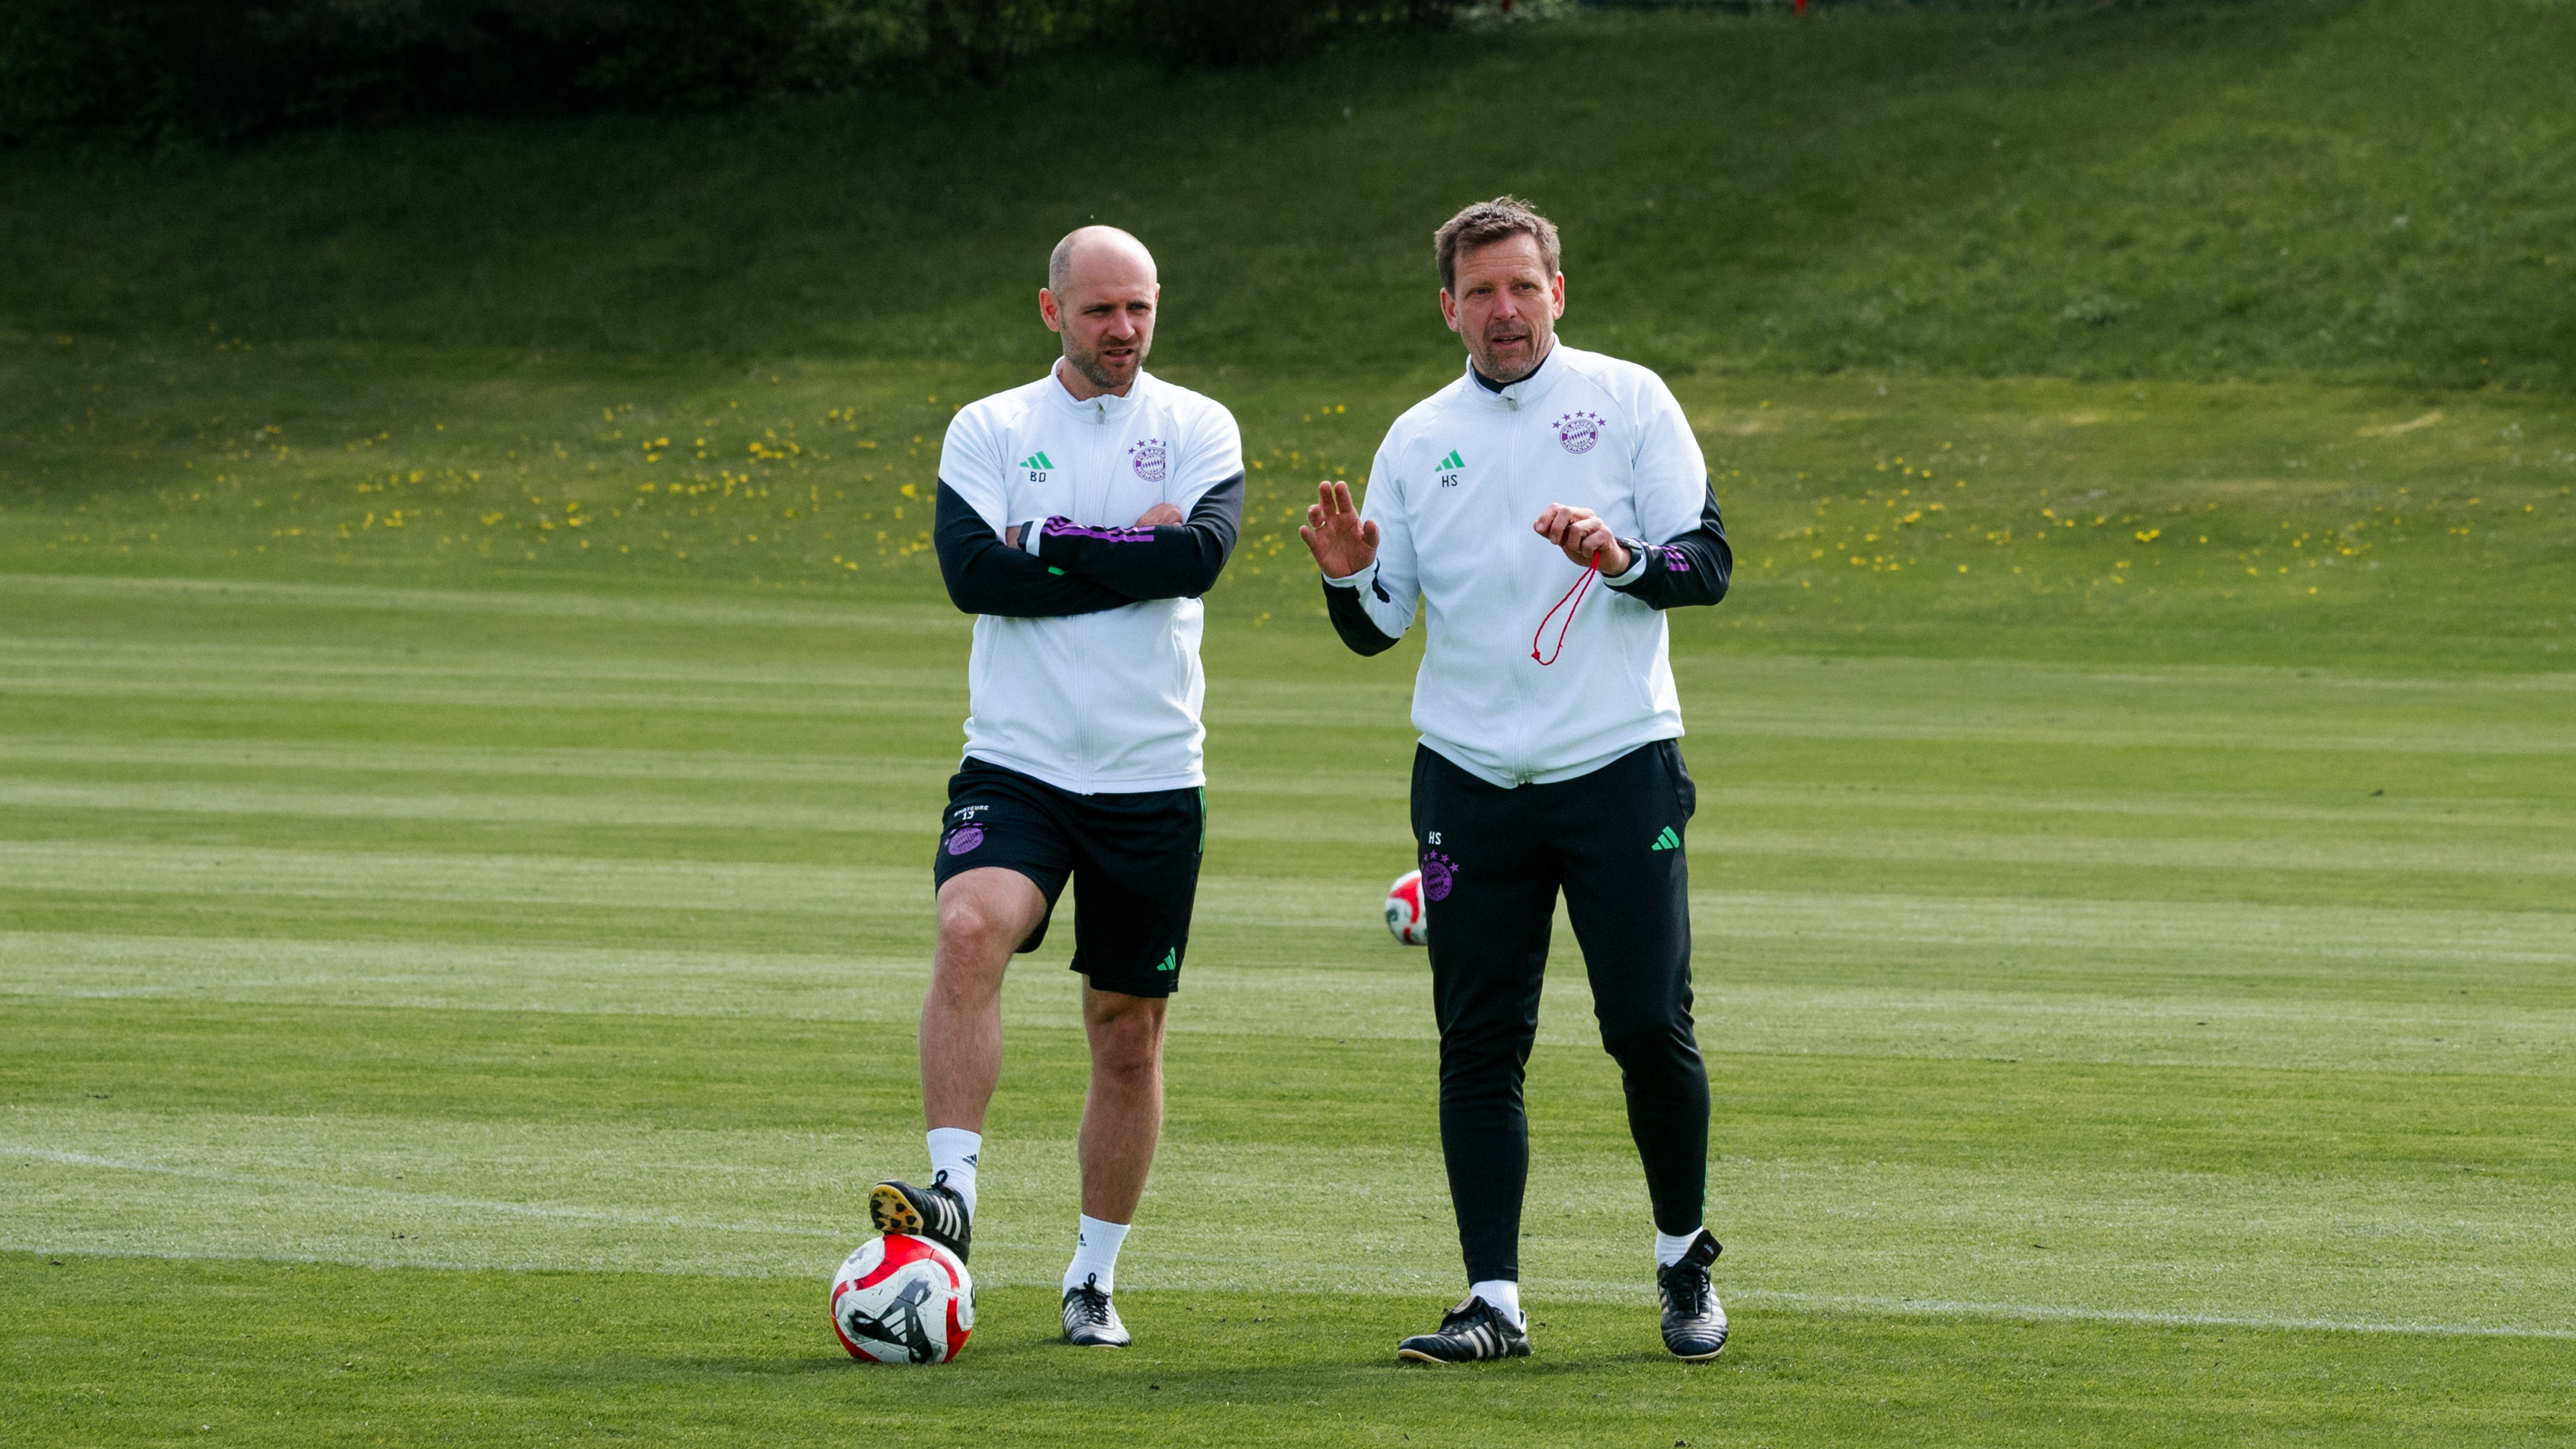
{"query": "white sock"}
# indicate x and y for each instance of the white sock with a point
(953, 1150)
(1095, 1254)
(1502, 1295)
(1669, 1249)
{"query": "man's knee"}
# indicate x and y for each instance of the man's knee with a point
(1655, 1047)
(972, 929)
(1126, 1035)
(985, 918)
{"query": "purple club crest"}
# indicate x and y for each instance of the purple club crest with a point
(1152, 459)
(1579, 431)
(1437, 873)
(965, 838)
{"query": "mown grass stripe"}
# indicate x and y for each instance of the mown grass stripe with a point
(1719, 718)
(2062, 1313)
(700, 698)
(1836, 839)
(512, 603)
(228, 871)
(2530, 937)
(1324, 793)
(312, 756)
(1713, 720)
(2108, 1238)
(2105, 1012)
(185, 664)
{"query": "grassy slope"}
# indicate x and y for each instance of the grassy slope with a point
(2099, 936)
(2299, 189)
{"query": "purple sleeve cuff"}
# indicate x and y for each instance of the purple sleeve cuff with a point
(1068, 529)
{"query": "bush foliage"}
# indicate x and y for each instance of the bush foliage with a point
(146, 70)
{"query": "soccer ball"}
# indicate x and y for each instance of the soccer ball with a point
(902, 1299)
(1404, 914)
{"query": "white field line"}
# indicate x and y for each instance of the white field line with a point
(516, 604)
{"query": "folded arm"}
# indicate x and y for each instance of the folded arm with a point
(986, 576)
(1168, 561)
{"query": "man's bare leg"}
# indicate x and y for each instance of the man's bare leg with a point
(1121, 1120)
(984, 915)
(1123, 1116)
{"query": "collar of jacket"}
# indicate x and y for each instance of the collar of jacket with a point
(1540, 382)
(1108, 407)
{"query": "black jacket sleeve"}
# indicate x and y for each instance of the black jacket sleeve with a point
(1171, 561)
(986, 577)
(1691, 569)
(1358, 630)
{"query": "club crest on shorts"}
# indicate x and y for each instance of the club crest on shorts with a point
(1152, 459)
(1437, 872)
(965, 838)
(1579, 431)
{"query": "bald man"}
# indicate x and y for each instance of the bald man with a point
(1080, 518)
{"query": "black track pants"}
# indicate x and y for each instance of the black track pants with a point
(1492, 862)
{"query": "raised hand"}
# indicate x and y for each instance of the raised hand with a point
(1582, 534)
(1341, 543)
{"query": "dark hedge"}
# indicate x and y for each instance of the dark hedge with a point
(229, 70)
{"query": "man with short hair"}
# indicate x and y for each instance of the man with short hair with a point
(1083, 740)
(1548, 757)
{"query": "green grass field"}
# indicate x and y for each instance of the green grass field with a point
(471, 740)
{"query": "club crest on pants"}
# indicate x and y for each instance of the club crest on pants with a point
(1437, 872)
(965, 838)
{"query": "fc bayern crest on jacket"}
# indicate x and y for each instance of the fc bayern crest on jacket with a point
(1151, 458)
(1579, 431)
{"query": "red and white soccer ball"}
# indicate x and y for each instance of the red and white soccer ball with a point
(903, 1300)
(1404, 915)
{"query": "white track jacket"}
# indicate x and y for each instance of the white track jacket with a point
(1454, 490)
(1085, 668)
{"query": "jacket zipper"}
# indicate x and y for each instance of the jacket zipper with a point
(1520, 677)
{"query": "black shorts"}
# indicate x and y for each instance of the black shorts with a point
(1134, 861)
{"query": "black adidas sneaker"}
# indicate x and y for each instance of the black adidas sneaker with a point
(1090, 1319)
(1473, 1331)
(1694, 1323)
(935, 1212)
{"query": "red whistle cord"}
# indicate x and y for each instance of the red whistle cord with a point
(1573, 600)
